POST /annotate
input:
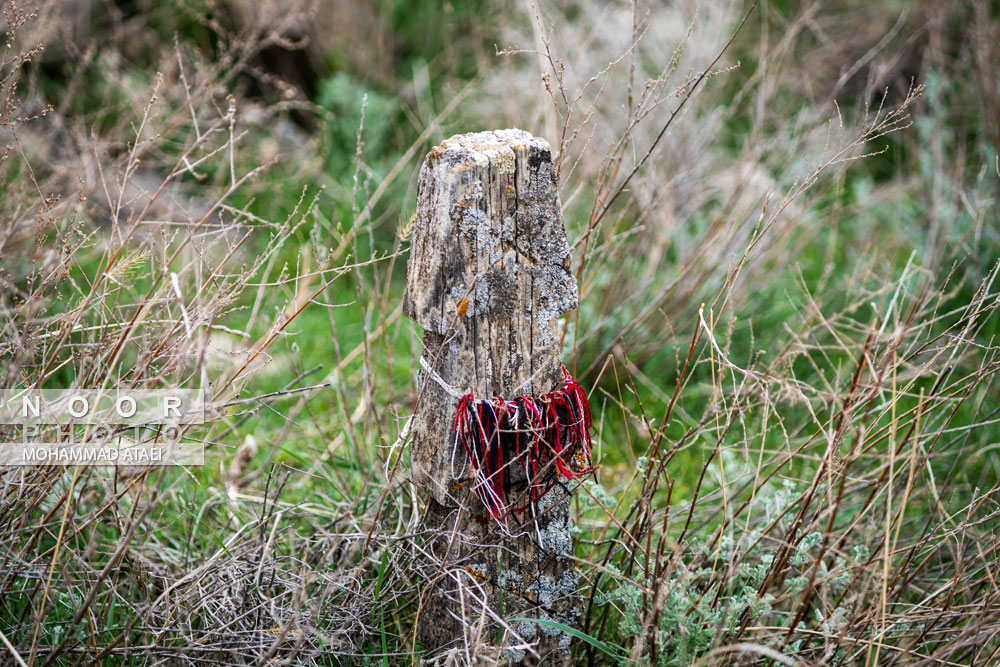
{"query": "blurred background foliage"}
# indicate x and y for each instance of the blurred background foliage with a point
(780, 212)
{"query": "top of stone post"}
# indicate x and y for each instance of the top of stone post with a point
(489, 239)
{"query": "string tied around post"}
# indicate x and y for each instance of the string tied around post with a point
(546, 437)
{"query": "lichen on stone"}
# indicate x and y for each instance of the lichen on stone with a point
(556, 539)
(509, 580)
(548, 592)
(481, 160)
(481, 299)
(507, 228)
(471, 222)
(556, 294)
(514, 655)
(493, 250)
(506, 162)
(526, 631)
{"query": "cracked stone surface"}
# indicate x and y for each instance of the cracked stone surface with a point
(487, 279)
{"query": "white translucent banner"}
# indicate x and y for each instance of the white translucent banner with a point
(117, 407)
(102, 450)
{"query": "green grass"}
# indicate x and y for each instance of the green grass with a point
(689, 538)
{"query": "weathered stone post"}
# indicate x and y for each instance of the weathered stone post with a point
(487, 278)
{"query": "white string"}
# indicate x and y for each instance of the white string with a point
(455, 393)
(484, 480)
(481, 483)
(454, 448)
(403, 435)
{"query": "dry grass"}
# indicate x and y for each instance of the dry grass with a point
(791, 352)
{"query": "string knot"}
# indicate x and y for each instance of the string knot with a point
(546, 437)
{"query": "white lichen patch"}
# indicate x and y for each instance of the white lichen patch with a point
(510, 580)
(457, 291)
(496, 148)
(525, 634)
(481, 298)
(555, 294)
(472, 221)
(550, 500)
(514, 655)
(549, 592)
(556, 539)
(475, 225)
(557, 286)
(482, 161)
(544, 328)
(506, 162)
(526, 629)
(507, 228)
